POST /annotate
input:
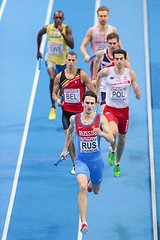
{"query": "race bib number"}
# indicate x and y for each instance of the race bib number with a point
(118, 93)
(72, 95)
(89, 144)
(55, 48)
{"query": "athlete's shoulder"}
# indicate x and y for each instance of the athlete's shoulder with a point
(72, 120)
(49, 26)
(90, 31)
(131, 72)
(83, 74)
(113, 28)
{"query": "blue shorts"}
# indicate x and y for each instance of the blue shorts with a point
(58, 68)
(92, 169)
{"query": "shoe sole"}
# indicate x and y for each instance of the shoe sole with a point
(50, 118)
(117, 175)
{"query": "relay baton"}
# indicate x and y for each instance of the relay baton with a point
(39, 63)
(60, 160)
(62, 99)
(92, 57)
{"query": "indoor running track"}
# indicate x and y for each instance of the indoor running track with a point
(38, 201)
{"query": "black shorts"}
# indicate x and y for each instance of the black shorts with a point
(103, 98)
(65, 119)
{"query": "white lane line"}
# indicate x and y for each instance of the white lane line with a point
(25, 133)
(2, 8)
(97, 5)
(150, 130)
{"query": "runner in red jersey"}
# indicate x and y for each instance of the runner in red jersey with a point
(72, 83)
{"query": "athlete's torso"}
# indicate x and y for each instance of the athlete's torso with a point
(87, 141)
(107, 61)
(99, 40)
(72, 91)
(118, 88)
(56, 47)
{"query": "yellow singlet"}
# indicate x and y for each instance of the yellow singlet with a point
(56, 48)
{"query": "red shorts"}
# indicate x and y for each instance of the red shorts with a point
(118, 115)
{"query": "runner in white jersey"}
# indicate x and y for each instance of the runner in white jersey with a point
(97, 35)
(118, 82)
(104, 58)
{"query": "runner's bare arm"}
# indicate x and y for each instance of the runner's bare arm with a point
(85, 42)
(96, 64)
(135, 84)
(56, 89)
(106, 133)
(100, 75)
(68, 38)
(87, 82)
(39, 40)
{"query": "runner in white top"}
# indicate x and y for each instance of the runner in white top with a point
(118, 82)
(104, 58)
(97, 35)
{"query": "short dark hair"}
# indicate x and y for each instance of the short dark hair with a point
(103, 8)
(120, 51)
(113, 35)
(71, 53)
(58, 11)
(89, 94)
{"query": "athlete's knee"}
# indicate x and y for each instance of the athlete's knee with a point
(83, 188)
(115, 132)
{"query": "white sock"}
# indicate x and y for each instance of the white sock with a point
(111, 149)
(116, 163)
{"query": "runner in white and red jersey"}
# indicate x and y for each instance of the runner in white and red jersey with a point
(72, 83)
(104, 58)
(97, 35)
(118, 82)
(89, 164)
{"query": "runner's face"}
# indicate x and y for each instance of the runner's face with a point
(71, 62)
(89, 104)
(113, 44)
(58, 18)
(119, 60)
(103, 17)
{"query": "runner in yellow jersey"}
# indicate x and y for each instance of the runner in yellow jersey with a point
(59, 39)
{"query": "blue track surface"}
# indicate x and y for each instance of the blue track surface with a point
(45, 205)
(154, 36)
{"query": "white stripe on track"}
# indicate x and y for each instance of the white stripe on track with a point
(25, 133)
(97, 5)
(2, 8)
(150, 130)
